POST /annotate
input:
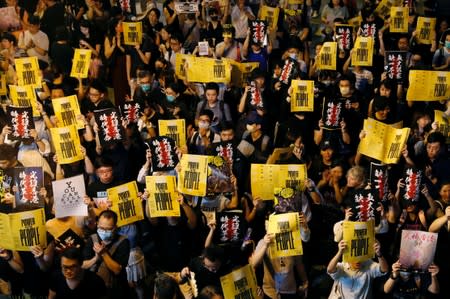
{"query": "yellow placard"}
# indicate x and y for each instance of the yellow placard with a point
(21, 231)
(24, 96)
(355, 22)
(67, 110)
(270, 15)
(295, 2)
(175, 129)
(193, 175)
(327, 56)
(383, 9)
(399, 19)
(362, 54)
(67, 144)
(425, 28)
(132, 33)
(3, 88)
(302, 98)
(126, 203)
(162, 201)
(360, 238)
(240, 71)
(443, 124)
(240, 283)
(81, 62)
(287, 241)
(428, 86)
(266, 177)
(27, 70)
(180, 62)
(280, 154)
(383, 142)
(205, 70)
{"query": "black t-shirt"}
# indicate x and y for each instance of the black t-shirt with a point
(92, 286)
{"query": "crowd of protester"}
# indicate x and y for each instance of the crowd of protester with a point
(157, 255)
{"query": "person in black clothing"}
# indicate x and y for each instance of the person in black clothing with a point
(72, 281)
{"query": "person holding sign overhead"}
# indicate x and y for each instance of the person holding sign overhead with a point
(354, 280)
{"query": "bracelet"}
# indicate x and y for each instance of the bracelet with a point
(392, 276)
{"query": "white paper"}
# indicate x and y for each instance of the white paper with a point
(68, 194)
(203, 48)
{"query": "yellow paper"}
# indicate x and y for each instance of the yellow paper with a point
(66, 111)
(132, 33)
(126, 203)
(240, 283)
(424, 29)
(270, 15)
(180, 62)
(360, 237)
(383, 9)
(175, 129)
(205, 70)
(362, 54)
(24, 96)
(280, 154)
(443, 124)
(21, 231)
(3, 89)
(81, 62)
(27, 70)
(327, 56)
(302, 98)
(240, 71)
(67, 144)
(399, 20)
(162, 201)
(295, 2)
(383, 142)
(287, 241)
(355, 22)
(428, 86)
(193, 175)
(266, 177)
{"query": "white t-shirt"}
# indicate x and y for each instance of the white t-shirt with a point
(40, 39)
(240, 21)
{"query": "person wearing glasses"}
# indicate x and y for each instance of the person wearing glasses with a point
(72, 281)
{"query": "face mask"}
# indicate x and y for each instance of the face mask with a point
(404, 275)
(293, 55)
(170, 98)
(251, 128)
(344, 90)
(327, 82)
(105, 235)
(447, 44)
(146, 87)
(203, 125)
(214, 18)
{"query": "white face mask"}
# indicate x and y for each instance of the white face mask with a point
(251, 128)
(344, 90)
(203, 125)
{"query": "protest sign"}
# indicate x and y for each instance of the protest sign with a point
(383, 10)
(27, 70)
(270, 16)
(379, 180)
(81, 63)
(363, 204)
(67, 111)
(67, 144)
(258, 32)
(28, 181)
(255, 96)
(69, 197)
(360, 238)
(186, 6)
(289, 71)
(230, 227)
(327, 56)
(204, 69)
(20, 119)
(287, 240)
(193, 176)
(240, 283)
(362, 54)
(443, 124)
(332, 113)
(24, 96)
(110, 128)
(344, 36)
(219, 176)
(132, 33)
(410, 193)
(21, 231)
(395, 65)
(399, 19)
(425, 28)
(162, 200)
(126, 203)
(383, 142)
(69, 239)
(175, 129)
(302, 98)
(428, 86)
(164, 156)
(417, 249)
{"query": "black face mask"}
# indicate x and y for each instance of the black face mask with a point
(214, 18)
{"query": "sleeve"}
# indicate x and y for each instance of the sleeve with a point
(122, 253)
(436, 55)
(226, 110)
(339, 271)
(88, 251)
(375, 270)
(53, 283)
